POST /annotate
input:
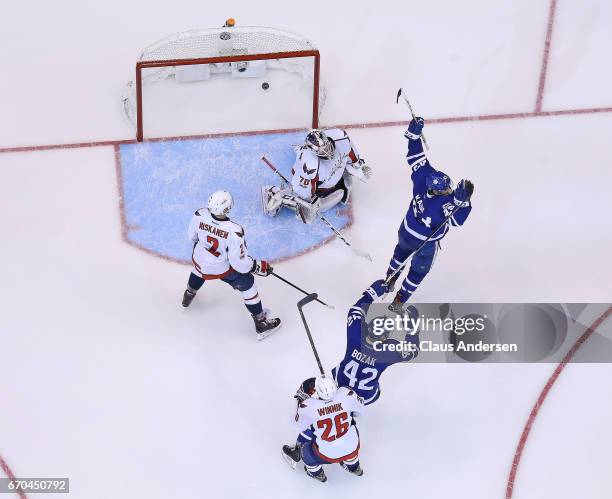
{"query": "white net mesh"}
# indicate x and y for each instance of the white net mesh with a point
(215, 42)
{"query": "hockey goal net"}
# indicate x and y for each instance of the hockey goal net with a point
(223, 72)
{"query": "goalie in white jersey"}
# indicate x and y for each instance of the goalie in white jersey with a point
(220, 252)
(322, 176)
(328, 432)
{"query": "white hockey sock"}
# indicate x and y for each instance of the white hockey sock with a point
(251, 296)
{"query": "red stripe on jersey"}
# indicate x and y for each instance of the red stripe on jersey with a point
(350, 456)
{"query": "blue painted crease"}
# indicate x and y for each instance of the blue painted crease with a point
(165, 182)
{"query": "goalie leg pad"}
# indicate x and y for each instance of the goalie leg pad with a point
(347, 186)
(305, 211)
(331, 200)
(271, 199)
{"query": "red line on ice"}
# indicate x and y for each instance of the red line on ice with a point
(545, 391)
(11, 476)
(546, 55)
(452, 119)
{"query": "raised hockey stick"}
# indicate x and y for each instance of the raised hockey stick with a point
(401, 93)
(300, 289)
(357, 251)
(305, 301)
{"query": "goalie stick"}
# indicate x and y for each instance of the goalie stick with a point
(402, 93)
(300, 289)
(300, 305)
(357, 251)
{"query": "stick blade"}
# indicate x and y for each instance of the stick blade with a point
(307, 299)
(399, 93)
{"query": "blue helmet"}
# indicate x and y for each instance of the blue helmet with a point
(438, 181)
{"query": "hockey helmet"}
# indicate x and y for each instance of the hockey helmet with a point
(220, 203)
(376, 331)
(325, 388)
(439, 183)
(319, 143)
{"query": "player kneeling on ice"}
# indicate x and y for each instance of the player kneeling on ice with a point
(328, 432)
(220, 252)
(435, 206)
(372, 348)
(321, 176)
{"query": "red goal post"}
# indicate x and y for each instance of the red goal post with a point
(234, 45)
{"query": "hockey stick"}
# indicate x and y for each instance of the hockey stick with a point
(401, 93)
(300, 289)
(357, 251)
(305, 301)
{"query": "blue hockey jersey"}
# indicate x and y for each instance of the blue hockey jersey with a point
(427, 212)
(362, 365)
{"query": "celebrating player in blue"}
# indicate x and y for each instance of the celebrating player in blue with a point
(367, 347)
(434, 207)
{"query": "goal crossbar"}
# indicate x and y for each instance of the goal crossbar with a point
(140, 65)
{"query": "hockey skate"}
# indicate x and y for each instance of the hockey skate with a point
(188, 297)
(355, 469)
(318, 475)
(264, 325)
(292, 455)
(397, 305)
(392, 281)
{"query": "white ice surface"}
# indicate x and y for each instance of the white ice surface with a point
(105, 379)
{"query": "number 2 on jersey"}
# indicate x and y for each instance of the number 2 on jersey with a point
(340, 421)
(350, 371)
(214, 245)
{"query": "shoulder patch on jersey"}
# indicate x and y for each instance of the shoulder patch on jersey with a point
(240, 233)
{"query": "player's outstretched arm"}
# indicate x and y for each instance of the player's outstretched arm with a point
(416, 157)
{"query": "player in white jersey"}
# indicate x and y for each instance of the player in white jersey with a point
(328, 432)
(321, 177)
(220, 252)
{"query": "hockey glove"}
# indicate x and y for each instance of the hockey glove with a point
(305, 390)
(365, 169)
(463, 193)
(261, 267)
(377, 289)
(415, 128)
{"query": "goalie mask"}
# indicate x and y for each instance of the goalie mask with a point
(320, 144)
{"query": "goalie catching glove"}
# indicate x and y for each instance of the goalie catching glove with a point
(360, 170)
(262, 268)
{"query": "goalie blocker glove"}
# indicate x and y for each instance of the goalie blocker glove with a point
(261, 267)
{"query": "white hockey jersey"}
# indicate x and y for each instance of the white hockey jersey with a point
(329, 423)
(219, 246)
(310, 172)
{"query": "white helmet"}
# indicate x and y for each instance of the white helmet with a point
(325, 388)
(220, 203)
